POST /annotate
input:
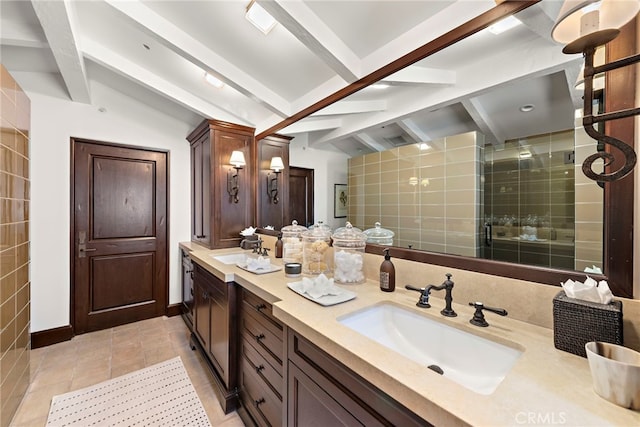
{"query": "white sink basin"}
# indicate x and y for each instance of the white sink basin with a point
(233, 258)
(476, 363)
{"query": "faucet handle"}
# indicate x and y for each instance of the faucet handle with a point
(423, 302)
(478, 316)
(264, 251)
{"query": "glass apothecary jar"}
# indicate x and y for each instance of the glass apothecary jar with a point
(316, 257)
(379, 235)
(292, 242)
(348, 255)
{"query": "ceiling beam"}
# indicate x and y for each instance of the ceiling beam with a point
(370, 142)
(310, 125)
(352, 107)
(304, 25)
(413, 130)
(177, 40)
(58, 22)
(484, 122)
(20, 35)
(120, 65)
(422, 75)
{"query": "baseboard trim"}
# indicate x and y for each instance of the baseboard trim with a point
(174, 309)
(51, 336)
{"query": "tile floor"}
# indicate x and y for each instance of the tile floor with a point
(98, 356)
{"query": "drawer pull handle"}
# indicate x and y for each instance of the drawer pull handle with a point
(259, 368)
(260, 307)
(260, 337)
(259, 401)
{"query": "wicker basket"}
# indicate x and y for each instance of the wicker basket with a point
(577, 322)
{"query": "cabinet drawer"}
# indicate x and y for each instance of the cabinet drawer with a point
(259, 399)
(264, 338)
(263, 309)
(262, 367)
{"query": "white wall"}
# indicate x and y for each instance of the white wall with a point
(329, 168)
(54, 120)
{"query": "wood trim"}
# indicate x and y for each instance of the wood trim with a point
(463, 31)
(530, 273)
(174, 310)
(618, 195)
(51, 336)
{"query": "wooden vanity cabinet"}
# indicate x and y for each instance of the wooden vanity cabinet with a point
(214, 332)
(216, 218)
(262, 352)
(322, 391)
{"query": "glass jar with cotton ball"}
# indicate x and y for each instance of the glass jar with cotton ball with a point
(348, 255)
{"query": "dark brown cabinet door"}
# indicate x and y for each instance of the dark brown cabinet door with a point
(217, 218)
(301, 196)
(202, 312)
(310, 405)
(119, 228)
(215, 325)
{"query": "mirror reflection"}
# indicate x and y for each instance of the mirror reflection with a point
(473, 151)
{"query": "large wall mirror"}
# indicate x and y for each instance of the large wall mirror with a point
(472, 157)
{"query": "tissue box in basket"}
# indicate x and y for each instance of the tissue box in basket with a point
(577, 322)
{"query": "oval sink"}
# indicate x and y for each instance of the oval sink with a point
(474, 362)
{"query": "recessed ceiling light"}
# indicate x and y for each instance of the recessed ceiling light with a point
(380, 85)
(213, 81)
(260, 17)
(527, 108)
(504, 24)
(424, 146)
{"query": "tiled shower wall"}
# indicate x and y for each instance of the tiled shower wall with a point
(529, 185)
(14, 246)
(429, 197)
(589, 206)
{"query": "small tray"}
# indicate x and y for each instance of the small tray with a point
(324, 300)
(260, 271)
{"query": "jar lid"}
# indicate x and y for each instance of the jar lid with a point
(293, 228)
(349, 232)
(377, 233)
(316, 231)
(322, 226)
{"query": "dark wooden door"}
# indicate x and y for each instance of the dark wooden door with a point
(119, 234)
(300, 196)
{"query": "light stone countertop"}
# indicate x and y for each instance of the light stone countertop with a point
(546, 386)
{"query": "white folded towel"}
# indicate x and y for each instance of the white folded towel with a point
(320, 286)
(260, 263)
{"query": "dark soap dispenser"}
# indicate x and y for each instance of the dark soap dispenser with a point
(278, 250)
(387, 273)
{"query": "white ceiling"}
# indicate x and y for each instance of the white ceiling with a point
(157, 51)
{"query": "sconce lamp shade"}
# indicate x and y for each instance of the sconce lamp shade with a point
(237, 159)
(276, 164)
(582, 18)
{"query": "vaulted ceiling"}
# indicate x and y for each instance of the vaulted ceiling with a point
(158, 52)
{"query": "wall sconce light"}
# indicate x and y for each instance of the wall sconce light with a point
(237, 162)
(585, 25)
(272, 178)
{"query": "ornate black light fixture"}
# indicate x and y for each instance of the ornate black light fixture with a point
(586, 25)
(237, 162)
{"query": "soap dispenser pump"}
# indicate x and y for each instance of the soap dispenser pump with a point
(387, 273)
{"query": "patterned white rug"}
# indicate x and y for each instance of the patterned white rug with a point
(160, 395)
